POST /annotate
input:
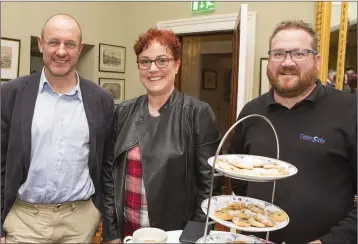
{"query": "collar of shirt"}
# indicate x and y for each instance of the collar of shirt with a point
(313, 97)
(74, 92)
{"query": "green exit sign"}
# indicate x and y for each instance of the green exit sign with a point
(202, 6)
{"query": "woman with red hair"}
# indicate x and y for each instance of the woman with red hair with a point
(157, 174)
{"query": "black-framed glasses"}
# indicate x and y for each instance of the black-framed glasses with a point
(297, 55)
(57, 43)
(159, 62)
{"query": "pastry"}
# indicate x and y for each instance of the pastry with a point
(236, 206)
(255, 208)
(278, 216)
(273, 172)
(265, 220)
(246, 214)
(241, 222)
(269, 166)
(242, 164)
(223, 215)
(255, 223)
(227, 166)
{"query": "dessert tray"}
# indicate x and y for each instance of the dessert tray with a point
(245, 213)
(252, 167)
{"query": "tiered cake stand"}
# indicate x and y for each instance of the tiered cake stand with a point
(218, 201)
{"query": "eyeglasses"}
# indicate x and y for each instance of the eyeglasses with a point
(57, 43)
(159, 62)
(297, 55)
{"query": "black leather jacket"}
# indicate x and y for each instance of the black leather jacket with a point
(174, 149)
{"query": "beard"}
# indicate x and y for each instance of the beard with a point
(295, 85)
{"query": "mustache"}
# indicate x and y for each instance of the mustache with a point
(288, 70)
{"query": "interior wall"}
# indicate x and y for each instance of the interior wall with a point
(86, 62)
(268, 15)
(120, 23)
(101, 22)
(336, 14)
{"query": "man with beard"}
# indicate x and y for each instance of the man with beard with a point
(55, 127)
(317, 132)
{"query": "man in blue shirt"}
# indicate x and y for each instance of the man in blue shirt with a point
(54, 130)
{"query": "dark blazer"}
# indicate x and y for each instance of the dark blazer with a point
(18, 98)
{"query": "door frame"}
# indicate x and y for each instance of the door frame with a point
(216, 23)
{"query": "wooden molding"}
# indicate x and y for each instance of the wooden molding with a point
(323, 20)
(342, 41)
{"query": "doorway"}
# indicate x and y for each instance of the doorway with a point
(206, 71)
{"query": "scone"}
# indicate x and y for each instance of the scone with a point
(241, 222)
(236, 206)
(257, 162)
(269, 166)
(246, 214)
(241, 164)
(255, 208)
(274, 172)
(278, 216)
(265, 220)
(227, 166)
(255, 223)
(223, 215)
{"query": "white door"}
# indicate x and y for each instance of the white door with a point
(242, 63)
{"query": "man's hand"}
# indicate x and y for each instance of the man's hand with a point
(315, 242)
(3, 240)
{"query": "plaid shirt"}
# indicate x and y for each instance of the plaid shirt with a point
(135, 202)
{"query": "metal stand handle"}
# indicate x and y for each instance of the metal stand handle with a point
(216, 155)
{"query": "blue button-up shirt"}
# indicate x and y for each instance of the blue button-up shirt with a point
(59, 148)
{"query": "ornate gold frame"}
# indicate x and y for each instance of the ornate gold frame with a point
(342, 40)
(323, 21)
(323, 29)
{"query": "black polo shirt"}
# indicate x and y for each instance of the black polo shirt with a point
(319, 136)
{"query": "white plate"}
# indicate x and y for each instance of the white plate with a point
(218, 202)
(226, 238)
(292, 170)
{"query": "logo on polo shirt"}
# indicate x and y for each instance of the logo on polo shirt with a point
(314, 139)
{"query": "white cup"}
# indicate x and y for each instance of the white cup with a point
(147, 235)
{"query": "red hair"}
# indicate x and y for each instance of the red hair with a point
(165, 37)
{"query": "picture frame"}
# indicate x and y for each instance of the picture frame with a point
(115, 86)
(112, 58)
(264, 81)
(209, 79)
(10, 58)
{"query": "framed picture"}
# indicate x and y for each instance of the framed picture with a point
(209, 79)
(10, 58)
(115, 86)
(112, 58)
(264, 81)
